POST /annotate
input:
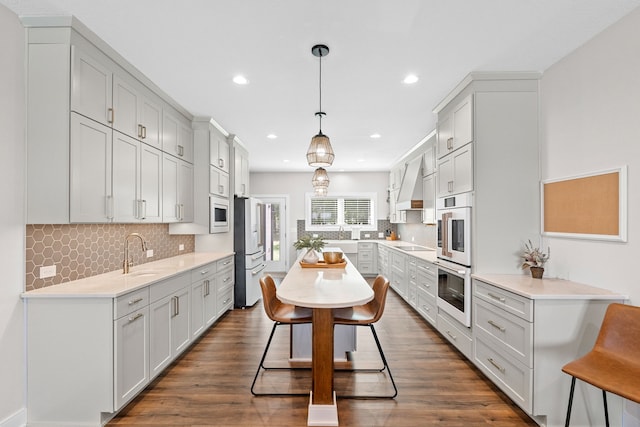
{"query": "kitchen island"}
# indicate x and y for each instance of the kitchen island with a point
(323, 289)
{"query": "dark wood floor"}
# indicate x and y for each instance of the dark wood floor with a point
(209, 385)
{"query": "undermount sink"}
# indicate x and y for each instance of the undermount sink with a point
(347, 246)
(142, 273)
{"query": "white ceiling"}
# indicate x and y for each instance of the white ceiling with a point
(193, 48)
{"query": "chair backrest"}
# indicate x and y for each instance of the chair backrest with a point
(376, 305)
(620, 333)
(269, 299)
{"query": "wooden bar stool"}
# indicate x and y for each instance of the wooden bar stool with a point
(281, 314)
(367, 315)
(613, 365)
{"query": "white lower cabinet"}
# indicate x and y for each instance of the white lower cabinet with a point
(426, 291)
(367, 258)
(100, 352)
(131, 352)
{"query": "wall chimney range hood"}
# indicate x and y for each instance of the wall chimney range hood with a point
(410, 194)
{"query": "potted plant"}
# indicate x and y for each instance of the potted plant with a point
(534, 259)
(312, 244)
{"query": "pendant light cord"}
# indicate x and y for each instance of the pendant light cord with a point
(320, 90)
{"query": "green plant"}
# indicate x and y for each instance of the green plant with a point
(315, 243)
(534, 257)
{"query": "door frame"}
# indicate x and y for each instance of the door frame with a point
(283, 200)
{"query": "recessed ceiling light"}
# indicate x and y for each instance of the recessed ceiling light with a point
(360, 160)
(410, 79)
(272, 136)
(285, 161)
(240, 80)
(375, 135)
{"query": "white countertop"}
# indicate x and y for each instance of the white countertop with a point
(114, 283)
(525, 285)
(324, 287)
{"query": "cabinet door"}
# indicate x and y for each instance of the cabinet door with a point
(131, 354)
(445, 134)
(185, 141)
(126, 170)
(198, 295)
(90, 176)
(185, 191)
(170, 128)
(126, 99)
(91, 86)
(429, 161)
(211, 300)
(177, 136)
(160, 313)
(455, 172)
(169, 188)
(151, 121)
(218, 182)
(463, 122)
(429, 199)
(150, 184)
(180, 336)
(241, 172)
(218, 151)
(223, 155)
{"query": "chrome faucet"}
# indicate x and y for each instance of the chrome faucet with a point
(126, 263)
(341, 233)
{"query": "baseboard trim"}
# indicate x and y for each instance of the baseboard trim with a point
(19, 419)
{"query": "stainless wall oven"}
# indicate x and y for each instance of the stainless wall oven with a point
(454, 228)
(454, 291)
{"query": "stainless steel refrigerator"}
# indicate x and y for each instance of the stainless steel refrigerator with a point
(248, 242)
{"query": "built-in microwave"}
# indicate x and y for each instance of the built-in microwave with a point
(454, 228)
(218, 215)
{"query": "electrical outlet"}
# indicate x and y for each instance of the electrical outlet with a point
(367, 235)
(380, 235)
(149, 253)
(47, 271)
(181, 247)
(315, 235)
(413, 239)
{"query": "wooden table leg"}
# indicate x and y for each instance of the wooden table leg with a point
(322, 356)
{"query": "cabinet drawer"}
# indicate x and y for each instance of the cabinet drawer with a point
(512, 332)
(512, 377)
(203, 272)
(365, 267)
(365, 245)
(426, 306)
(167, 287)
(455, 335)
(365, 255)
(224, 280)
(225, 301)
(130, 302)
(397, 261)
(514, 304)
(426, 268)
(427, 284)
(224, 263)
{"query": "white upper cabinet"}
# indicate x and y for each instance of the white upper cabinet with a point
(455, 172)
(177, 136)
(218, 152)
(429, 161)
(151, 120)
(91, 86)
(90, 177)
(455, 128)
(241, 172)
(177, 190)
(150, 184)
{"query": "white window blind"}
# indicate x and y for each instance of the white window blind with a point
(324, 211)
(357, 211)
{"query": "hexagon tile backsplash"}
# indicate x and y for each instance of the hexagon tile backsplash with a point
(84, 250)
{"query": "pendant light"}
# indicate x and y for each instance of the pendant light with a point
(321, 191)
(320, 152)
(320, 178)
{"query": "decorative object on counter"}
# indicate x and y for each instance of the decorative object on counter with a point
(312, 244)
(332, 257)
(534, 259)
(393, 236)
(320, 152)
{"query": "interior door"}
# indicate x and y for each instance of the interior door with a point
(276, 243)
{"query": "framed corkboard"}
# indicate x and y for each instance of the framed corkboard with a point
(592, 206)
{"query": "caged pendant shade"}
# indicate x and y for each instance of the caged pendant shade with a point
(320, 152)
(321, 191)
(320, 178)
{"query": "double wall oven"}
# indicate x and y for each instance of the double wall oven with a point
(454, 256)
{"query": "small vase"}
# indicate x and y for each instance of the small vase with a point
(311, 257)
(536, 272)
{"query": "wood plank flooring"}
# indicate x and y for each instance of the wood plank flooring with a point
(209, 385)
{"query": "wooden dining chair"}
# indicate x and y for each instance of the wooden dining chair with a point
(613, 365)
(367, 315)
(281, 314)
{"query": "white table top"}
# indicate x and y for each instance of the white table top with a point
(324, 287)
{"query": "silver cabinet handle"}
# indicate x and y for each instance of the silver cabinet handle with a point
(139, 130)
(452, 336)
(450, 186)
(225, 302)
(134, 318)
(226, 262)
(226, 279)
(144, 209)
(144, 132)
(495, 325)
(111, 115)
(109, 207)
(494, 363)
(176, 305)
(135, 301)
(496, 297)
(221, 189)
(450, 143)
(203, 272)
(180, 150)
(221, 163)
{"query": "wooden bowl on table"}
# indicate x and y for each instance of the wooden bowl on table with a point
(332, 257)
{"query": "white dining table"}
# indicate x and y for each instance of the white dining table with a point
(323, 289)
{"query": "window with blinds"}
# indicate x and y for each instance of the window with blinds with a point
(330, 213)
